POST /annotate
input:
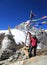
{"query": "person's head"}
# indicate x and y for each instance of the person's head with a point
(34, 36)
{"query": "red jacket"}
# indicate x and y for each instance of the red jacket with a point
(33, 42)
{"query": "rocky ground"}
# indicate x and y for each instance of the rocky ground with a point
(20, 57)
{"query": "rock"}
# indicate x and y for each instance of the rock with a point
(5, 55)
(15, 57)
(17, 63)
(25, 57)
(18, 52)
(22, 53)
(10, 59)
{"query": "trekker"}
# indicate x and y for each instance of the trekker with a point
(33, 45)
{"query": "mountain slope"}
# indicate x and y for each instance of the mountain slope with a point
(39, 60)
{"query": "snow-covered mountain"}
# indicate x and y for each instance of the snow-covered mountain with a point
(19, 36)
(19, 33)
(23, 26)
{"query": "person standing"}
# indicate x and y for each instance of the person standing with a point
(33, 45)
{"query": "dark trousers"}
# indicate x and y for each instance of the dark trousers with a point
(30, 51)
